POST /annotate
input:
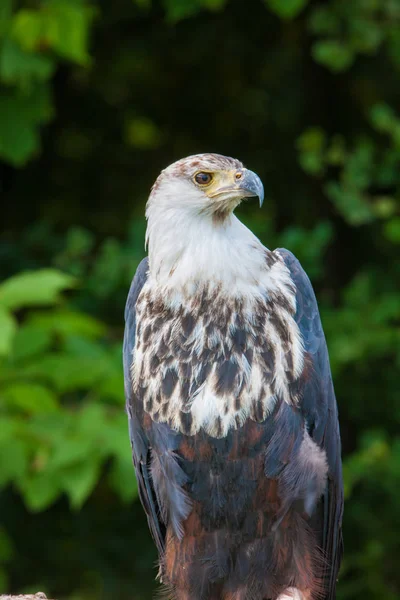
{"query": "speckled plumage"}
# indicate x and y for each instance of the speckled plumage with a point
(231, 407)
(211, 360)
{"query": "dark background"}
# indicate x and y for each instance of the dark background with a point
(95, 99)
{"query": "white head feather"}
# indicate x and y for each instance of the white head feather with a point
(186, 243)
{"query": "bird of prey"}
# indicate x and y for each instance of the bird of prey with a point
(232, 413)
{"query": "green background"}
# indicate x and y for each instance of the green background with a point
(95, 99)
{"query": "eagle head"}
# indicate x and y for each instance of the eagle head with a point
(205, 184)
(192, 233)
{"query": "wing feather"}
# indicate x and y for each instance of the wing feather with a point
(319, 407)
(141, 450)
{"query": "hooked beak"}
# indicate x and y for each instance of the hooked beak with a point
(250, 184)
(237, 185)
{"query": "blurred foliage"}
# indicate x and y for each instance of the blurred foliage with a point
(95, 98)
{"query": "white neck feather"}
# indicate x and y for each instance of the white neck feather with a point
(187, 247)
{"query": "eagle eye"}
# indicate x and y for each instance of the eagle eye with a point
(203, 178)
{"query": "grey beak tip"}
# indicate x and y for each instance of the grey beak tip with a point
(260, 192)
(255, 185)
(252, 185)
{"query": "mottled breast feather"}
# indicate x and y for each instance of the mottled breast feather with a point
(207, 360)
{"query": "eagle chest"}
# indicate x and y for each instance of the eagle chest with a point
(210, 361)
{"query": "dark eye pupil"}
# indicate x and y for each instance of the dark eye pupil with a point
(203, 178)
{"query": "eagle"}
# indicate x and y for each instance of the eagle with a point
(232, 414)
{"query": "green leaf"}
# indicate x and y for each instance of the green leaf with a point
(94, 422)
(287, 9)
(79, 480)
(324, 20)
(311, 144)
(181, 9)
(29, 341)
(14, 460)
(72, 450)
(9, 428)
(50, 430)
(382, 117)
(366, 35)
(392, 230)
(34, 288)
(6, 7)
(21, 114)
(358, 171)
(112, 387)
(312, 140)
(142, 133)
(28, 30)
(385, 207)
(122, 477)
(352, 204)
(333, 54)
(66, 322)
(77, 345)
(68, 373)
(79, 241)
(373, 452)
(61, 26)
(22, 68)
(6, 546)
(393, 45)
(8, 328)
(336, 154)
(29, 397)
(39, 490)
(116, 442)
(72, 38)
(309, 245)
